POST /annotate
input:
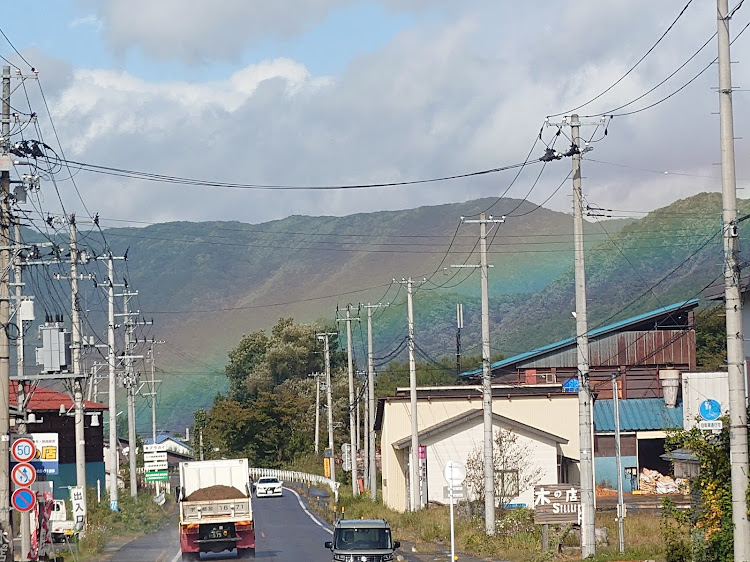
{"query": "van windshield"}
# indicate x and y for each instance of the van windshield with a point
(362, 539)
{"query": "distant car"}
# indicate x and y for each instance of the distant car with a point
(268, 486)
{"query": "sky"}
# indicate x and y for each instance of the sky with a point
(313, 93)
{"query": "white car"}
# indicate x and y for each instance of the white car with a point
(268, 486)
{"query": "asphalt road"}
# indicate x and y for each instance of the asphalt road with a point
(284, 531)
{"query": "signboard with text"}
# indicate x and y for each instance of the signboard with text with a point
(557, 503)
(46, 455)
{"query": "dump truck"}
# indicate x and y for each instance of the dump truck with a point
(216, 512)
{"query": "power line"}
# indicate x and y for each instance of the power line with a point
(631, 69)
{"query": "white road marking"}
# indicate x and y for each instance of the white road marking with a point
(310, 514)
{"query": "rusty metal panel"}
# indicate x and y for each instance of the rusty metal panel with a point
(662, 347)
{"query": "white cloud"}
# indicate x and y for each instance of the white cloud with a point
(467, 89)
(89, 20)
(196, 31)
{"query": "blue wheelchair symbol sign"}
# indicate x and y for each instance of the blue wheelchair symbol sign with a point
(710, 409)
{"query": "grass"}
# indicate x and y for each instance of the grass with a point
(517, 538)
(136, 517)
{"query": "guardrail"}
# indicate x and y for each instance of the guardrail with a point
(294, 476)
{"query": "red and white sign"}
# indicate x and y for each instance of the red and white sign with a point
(23, 474)
(23, 499)
(23, 449)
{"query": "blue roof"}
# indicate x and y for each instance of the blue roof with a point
(162, 438)
(591, 334)
(637, 414)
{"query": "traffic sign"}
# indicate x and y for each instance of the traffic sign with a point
(23, 499)
(712, 425)
(157, 476)
(454, 473)
(23, 449)
(158, 465)
(151, 457)
(455, 492)
(23, 474)
(710, 409)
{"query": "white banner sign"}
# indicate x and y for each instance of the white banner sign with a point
(159, 465)
(152, 457)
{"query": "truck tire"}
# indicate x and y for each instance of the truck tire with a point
(245, 553)
(191, 556)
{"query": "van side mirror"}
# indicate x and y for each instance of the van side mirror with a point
(329, 545)
(396, 544)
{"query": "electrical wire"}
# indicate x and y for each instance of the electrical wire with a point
(631, 69)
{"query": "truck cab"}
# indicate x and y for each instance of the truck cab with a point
(366, 539)
(61, 528)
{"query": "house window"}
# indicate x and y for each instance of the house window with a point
(508, 483)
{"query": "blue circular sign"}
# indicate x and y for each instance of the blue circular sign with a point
(710, 409)
(23, 499)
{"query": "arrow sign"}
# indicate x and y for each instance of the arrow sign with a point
(23, 499)
(23, 474)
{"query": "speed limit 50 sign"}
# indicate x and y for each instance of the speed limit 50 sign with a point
(23, 449)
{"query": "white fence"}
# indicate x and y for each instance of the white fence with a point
(293, 476)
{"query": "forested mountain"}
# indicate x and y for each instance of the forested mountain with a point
(207, 284)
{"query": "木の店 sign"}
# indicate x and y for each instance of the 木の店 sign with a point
(557, 503)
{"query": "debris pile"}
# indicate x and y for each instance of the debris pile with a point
(653, 482)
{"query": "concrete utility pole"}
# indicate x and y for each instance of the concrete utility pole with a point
(5, 526)
(316, 376)
(618, 457)
(738, 449)
(76, 353)
(152, 357)
(415, 496)
(588, 535)
(352, 401)
(327, 358)
(371, 437)
(130, 385)
(21, 394)
(114, 456)
(489, 456)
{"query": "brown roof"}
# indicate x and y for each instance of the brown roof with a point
(45, 399)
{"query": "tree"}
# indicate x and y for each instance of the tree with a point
(513, 468)
(711, 339)
(705, 530)
(243, 361)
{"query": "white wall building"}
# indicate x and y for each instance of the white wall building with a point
(450, 425)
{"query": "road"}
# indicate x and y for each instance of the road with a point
(284, 531)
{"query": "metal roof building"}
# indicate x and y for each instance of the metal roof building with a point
(635, 349)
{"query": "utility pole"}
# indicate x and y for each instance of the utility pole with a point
(618, 457)
(5, 526)
(738, 449)
(372, 454)
(459, 326)
(131, 382)
(21, 393)
(414, 475)
(352, 403)
(152, 357)
(489, 456)
(114, 457)
(76, 353)
(588, 535)
(316, 376)
(327, 358)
